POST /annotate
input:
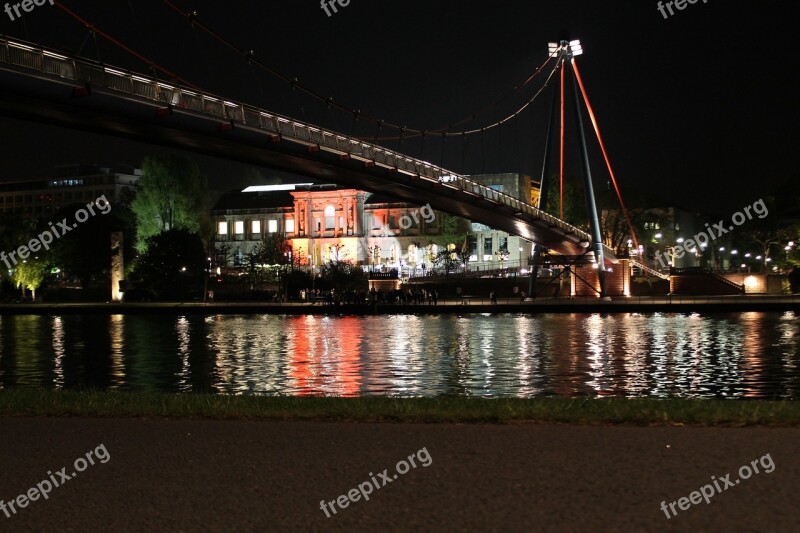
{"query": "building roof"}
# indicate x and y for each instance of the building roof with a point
(254, 200)
(380, 198)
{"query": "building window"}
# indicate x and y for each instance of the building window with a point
(289, 225)
(255, 227)
(487, 248)
(503, 246)
(238, 227)
(472, 244)
(330, 218)
(376, 222)
(222, 228)
(272, 226)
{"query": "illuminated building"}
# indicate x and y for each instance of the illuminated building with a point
(323, 222)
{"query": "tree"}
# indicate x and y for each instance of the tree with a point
(447, 258)
(29, 274)
(448, 230)
(173, 265)
(172, 194)
(85, 252)
(574, 201)
(342, 274)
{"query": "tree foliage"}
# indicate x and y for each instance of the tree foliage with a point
(30, 273)
(172, 194)
(174, 264)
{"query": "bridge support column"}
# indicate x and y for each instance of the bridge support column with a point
(544, 185)
(591, 204)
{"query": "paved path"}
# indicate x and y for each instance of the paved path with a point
(200, 475)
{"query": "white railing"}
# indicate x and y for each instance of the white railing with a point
(85, 71)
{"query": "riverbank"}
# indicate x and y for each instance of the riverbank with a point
(35, 402)
(465, 304)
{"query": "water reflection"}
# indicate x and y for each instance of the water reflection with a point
(740, 355)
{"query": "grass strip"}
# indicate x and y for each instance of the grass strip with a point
(443, 409)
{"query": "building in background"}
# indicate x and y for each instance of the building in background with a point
(322, 223)
(68, 184)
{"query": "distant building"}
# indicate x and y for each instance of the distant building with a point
(327, 222)
(68, 184)
(664, 228)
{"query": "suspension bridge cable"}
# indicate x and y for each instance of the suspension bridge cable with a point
(504, 120)
(561, 162)
(603, 149)
(314, 94)
(94, 29)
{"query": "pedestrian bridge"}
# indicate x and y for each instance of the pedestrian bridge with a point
(49, 86)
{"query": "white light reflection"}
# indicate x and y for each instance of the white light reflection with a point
(183, 332)
(58, 352)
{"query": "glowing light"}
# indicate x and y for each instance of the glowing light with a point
(270, 188)
(750, 282)
(680, 240)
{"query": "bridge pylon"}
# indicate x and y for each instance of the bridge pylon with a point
(566, 52)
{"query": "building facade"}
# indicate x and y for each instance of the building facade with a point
(324, 223)
(68, 184)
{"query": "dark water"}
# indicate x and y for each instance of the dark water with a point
(737, 355)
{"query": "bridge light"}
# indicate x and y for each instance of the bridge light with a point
(576, 48)
(573, 48)
(54, 55)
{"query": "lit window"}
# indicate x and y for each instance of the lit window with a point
(222, 228)
(255, 226)
(290, 226)
(272, 226)
(239, 227)
(330, 217)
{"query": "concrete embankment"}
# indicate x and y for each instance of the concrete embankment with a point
(465, 305)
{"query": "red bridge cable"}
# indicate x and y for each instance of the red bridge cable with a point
(605, 153)
(561, 163)
(121, 45)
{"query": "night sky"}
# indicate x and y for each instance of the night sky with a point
(696, 110)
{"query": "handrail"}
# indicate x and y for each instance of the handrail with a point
(645, 265)
(25, 55)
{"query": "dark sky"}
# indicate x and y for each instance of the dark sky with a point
(697, 110)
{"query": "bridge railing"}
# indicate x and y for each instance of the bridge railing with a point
(89, 72)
